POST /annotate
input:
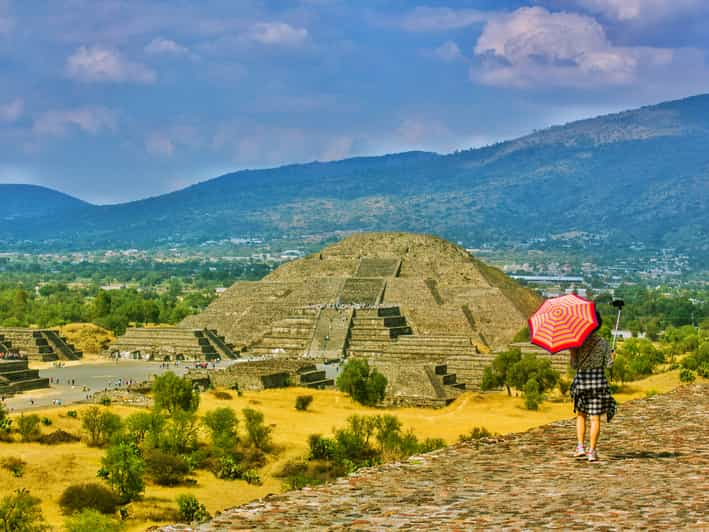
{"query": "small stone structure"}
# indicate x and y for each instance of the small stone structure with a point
(15, 377)
(38, 344)
(172, 343)
(255, 375)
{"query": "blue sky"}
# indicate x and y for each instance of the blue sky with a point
(120, 99)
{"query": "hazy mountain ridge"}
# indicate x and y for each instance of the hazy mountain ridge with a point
(25, 201)
(640, 175)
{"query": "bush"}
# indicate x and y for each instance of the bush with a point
(105, 401)
(173, 393)
(92, 521)
(72, 413)
(14, 465)
(88, 496)
(100, 425)
(227, 468)
(166, 469)
(190, 509)
(366, 386)
(477, 433)
(497, 374)
(21, 512)
(302, 402)
(46, 421)
(532, 395)
(703, 370)
(322, 448)
(28, 427)
(219, 394)
(564, 385)
(123, 469)
(57, 437)
(687, 375)
(143, 426)
(251, 476)
(257, 434)
(222, 423)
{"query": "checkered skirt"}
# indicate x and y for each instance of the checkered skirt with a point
(591, 393)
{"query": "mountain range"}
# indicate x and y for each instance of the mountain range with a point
(639, 176)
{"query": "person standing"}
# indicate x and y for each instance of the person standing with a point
(590, 391)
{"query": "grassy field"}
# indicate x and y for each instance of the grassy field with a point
(52, 468)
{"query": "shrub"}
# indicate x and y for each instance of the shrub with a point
(564, 385)
(92, 521)
(143, 426)
(257, 434)
(497, 374)
(532, 394)
(251, 476)
(166, 469)
(14, 465)
(172, 393)
(180, 433)
(88, 496)
(227, 468)
(123, 469)
(191, 509)
(105, 401)
(478, 433)
(366, 386)
(302, 402)
(72, 413)
(57, 437)
(703, 370)
(222, 423)
(322, 448)
(46, 421)
(219, 394)
(100, 425)
(21, 512)
(28, 427)
(651, 393)
(687, 375)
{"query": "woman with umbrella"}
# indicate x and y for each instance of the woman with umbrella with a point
(570, 322)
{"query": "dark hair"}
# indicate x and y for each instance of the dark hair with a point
(599, 319)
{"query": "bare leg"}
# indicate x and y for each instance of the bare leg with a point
(581, 428)
(595, 430)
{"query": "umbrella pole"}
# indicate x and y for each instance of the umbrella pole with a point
(615, 332)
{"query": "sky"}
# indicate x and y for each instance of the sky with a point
(116, 100)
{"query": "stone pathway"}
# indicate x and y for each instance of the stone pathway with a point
(653, 474)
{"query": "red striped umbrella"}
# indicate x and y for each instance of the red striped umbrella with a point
(562, 322)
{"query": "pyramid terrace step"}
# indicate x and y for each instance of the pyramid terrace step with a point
(371, 332)
(300, 332)
(286, 343)
(22, 386)
(319, 385)
(312, 376)
(377, 312)
(279, 351)
(379, 321)
(21, 375)
(438, 340)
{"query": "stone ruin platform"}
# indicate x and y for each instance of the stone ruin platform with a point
(652, 474)
(38, 344)
(15, 377)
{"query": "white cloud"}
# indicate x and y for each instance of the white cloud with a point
(276, 33)
(337, 148)
(442, 18)
(97, 64)
(448, 52)
(630, 10)
(164, 143)
(11, 111)
(160, 45)
(88, 119)
(532, 46)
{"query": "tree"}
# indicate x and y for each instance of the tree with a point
(28, 427)
(366, 386)
(21, 512)
(173, 393)
(532, 368)
(258, 434)
(100, 425)
(222, 423)
(123, 469)
(497, 374)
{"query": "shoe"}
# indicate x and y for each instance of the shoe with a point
(592, 456)
(580, 452)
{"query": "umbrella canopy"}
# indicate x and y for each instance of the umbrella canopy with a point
(562, 322)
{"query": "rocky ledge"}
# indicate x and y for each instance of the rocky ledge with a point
(653, 473)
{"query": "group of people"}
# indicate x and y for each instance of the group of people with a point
(11, 355)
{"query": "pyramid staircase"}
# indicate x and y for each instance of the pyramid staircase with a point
(289, 337)
(373, 330)
(15, 377)
(173, 343)
(40, 344)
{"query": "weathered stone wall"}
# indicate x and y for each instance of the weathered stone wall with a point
(255, 374)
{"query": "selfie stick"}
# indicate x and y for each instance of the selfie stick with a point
(618, 303)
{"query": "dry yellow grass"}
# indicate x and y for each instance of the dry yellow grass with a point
(52, 468)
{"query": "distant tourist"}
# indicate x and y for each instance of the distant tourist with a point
(590, 391)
